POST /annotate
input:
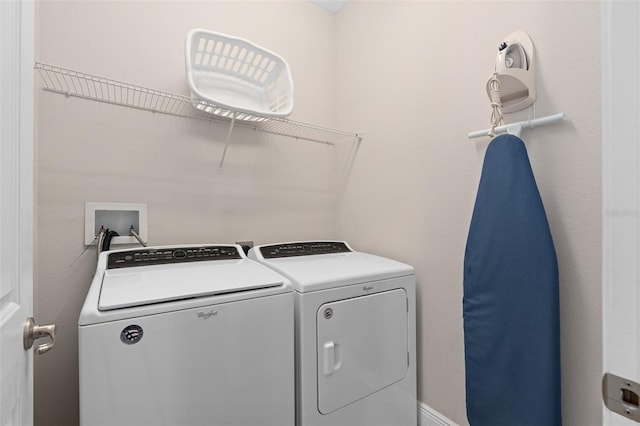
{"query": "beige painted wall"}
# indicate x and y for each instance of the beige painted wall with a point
(410, 74)
(272, 188)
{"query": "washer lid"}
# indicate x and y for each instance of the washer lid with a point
(146, 285)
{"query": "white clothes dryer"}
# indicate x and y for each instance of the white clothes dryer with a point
(355, 334)
(186, 335)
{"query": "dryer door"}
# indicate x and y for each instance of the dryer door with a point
(362, 347)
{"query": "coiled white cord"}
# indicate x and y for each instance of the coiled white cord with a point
(496, 104)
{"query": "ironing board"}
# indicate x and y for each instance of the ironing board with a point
(510, 304)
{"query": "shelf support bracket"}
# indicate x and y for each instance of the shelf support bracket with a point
(226, 142)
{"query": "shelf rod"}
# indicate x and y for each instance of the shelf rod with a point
(226, 142)
(86, 86)
(536, 122)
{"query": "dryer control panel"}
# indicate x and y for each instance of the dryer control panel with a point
(163, 255)
(303, 249)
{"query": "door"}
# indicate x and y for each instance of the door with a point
(621, 210)
(16, 209)
(362, 345)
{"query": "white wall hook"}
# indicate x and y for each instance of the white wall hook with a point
(514, 129)
(536, 122)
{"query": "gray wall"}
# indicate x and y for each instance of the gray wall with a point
(410, 74)
(413, 75)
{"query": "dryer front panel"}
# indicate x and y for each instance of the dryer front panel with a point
(362, 347)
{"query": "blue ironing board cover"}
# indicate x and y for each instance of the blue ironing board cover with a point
(510, 304)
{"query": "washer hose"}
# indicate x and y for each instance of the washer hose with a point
(106, 244)
(101, 235)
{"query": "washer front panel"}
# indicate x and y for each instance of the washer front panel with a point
(227, 364)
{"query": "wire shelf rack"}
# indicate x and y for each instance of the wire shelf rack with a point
(87, 86)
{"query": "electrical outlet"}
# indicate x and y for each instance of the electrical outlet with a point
(246, 245)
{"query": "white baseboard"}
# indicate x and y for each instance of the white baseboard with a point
(427, 416)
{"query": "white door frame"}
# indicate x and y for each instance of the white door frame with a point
(16, 212)
(621, 193)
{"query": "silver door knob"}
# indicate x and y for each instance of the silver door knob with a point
(33, 331)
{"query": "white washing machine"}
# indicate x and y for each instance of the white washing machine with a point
(186, 335)
(355, 334)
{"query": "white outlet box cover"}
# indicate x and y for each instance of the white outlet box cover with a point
(332, 6)
(116, 216)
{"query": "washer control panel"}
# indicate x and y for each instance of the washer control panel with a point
(303, 249)
(160, 256)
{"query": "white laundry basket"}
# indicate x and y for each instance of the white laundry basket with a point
(231, 75)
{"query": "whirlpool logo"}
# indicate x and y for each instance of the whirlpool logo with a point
(208, 314)
(131, 334)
